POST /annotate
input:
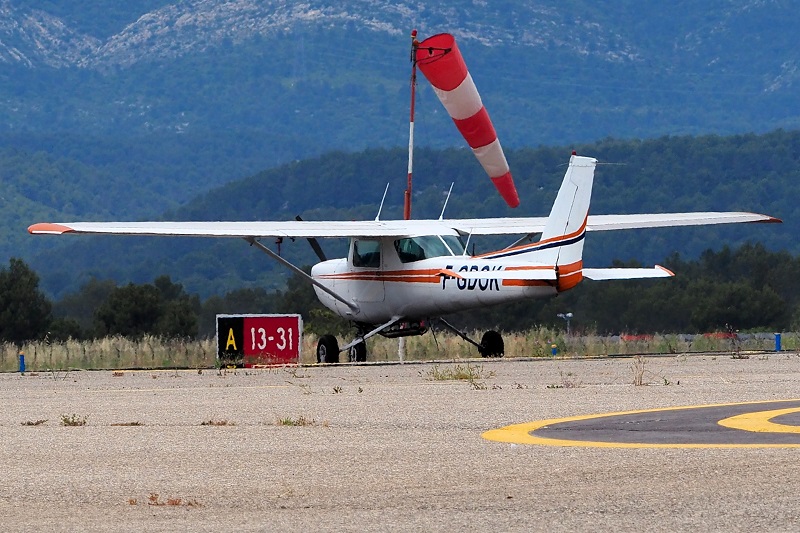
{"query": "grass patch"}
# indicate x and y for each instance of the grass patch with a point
(568, 381)
(155, 500)
(73, 420)
(472, 374)
(299, 421)
(127, 424)
(32, 423)
(637, 367)
(213, 422)
(466, 372)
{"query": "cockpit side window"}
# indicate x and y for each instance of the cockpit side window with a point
(409, 250)
(413, 249)
(367, 253)
(454, 243)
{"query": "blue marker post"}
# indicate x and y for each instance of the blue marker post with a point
(777, 342)
(554, 349)
(21, 362)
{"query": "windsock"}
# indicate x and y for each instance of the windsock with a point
(440, 61)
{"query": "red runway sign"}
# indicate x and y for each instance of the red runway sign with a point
(259, 340)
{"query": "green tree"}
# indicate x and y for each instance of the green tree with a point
(25, 313)
(130, 311)
(162, 308)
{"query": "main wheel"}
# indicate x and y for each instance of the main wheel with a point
(358, 352)
(327, 349)
(492, 345)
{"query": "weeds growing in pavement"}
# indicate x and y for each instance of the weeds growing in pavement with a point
(213, 422)
(637, 366)
(155, 501)
(299, 421)
(568, 381)
(73, 420)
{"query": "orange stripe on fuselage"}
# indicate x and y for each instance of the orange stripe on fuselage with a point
(569, 275)
(430, 275)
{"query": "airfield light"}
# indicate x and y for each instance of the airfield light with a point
(567, 317)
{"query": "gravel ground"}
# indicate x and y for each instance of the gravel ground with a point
(388, 448)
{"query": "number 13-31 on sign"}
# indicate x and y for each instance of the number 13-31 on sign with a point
(253, 340)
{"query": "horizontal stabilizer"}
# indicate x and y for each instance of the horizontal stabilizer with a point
(603, 274)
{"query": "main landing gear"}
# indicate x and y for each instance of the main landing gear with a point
(328, 351)
(491, 344)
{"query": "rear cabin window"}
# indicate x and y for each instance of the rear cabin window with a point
(367, 254)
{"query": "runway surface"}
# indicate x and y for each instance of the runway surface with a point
(393, 448)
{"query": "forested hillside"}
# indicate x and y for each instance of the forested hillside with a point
(175, 98)
(745, 172)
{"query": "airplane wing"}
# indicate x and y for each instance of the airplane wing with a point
(294, 228)
(389, 228)
(517, 226)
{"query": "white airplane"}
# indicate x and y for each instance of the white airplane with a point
(400, 275)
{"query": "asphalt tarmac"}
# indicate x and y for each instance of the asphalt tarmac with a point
(379, 448)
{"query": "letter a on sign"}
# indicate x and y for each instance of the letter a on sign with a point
(230, 344)
(231, 340)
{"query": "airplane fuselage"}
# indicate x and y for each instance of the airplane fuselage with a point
(420, 288)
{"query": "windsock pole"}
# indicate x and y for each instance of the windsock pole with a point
(407, 196)
(401, 347)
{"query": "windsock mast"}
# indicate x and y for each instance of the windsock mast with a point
(407, 195)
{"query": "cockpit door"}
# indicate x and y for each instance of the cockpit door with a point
(366, 262)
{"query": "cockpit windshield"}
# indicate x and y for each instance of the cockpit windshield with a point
(418, 248)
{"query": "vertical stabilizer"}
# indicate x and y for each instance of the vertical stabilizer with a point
(561, 242)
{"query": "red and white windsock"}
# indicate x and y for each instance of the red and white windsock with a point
(440, 61)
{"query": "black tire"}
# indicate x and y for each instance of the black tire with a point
(327, 349)
(492, 345)
(358, 353)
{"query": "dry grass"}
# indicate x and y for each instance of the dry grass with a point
(215, 422)
(299, 421)
(117, 353)
(73, 420)
(637, 367)
(155, 500)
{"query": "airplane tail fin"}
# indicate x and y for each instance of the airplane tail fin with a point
(561, 243)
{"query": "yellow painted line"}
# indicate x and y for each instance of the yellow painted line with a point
(521, 433)
(759, 422)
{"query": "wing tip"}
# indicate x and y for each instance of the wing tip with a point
(666, 270)
(48, 228)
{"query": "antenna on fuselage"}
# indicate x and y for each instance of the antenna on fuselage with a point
(378, 216)
(447, 200)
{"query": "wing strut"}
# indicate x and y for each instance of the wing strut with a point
(290, 266)
(314, 243)
(362, 338)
